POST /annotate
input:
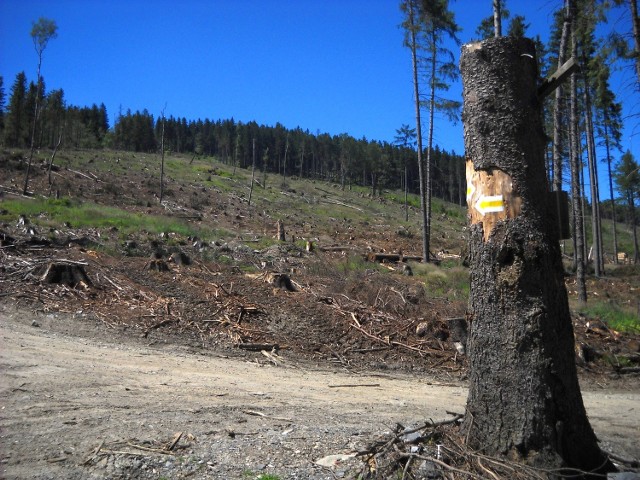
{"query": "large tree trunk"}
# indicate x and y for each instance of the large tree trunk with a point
(524, 399)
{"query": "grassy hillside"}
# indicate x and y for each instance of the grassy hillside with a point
(116, 194)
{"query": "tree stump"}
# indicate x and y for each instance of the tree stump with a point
(66, 274)
(157, 265)
(280, 280)
(524, 399)
(280, 234)
(180, 258)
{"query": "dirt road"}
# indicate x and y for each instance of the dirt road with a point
(68, 385)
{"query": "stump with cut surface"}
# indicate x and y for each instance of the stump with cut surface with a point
(524, 400)
(66, 274)
(157, 265)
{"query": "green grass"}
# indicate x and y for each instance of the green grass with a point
(617, 317)
(356, 263)
(451, 281)
(88, 215)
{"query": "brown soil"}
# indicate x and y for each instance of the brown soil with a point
(152, 341)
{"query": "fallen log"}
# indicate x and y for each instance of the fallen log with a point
(258, 347)
(392, 257)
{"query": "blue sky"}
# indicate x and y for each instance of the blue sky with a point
(327, 66)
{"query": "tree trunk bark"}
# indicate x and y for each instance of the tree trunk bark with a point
(557, 109)
(428, 183)
(497, 19)
(596, 229)
(576, 191)
(613, 202)
(634, 229)
(162, 162)
(524, 399)
(633, 5)
(421, 168)
(253, 169)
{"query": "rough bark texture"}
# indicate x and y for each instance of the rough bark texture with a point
(576, 168)
(524, 399)
(557, 108)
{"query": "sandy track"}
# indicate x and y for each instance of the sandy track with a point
(67, 385)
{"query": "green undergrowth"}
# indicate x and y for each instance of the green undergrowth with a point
(623, 318)
(53, 213)
(449, 280)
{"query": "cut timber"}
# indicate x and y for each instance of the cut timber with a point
(392, 257)
(337, 248)
(278, 280)
(258, 347)
(551, 83)
(67, 274)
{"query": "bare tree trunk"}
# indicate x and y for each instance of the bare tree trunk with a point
(524, 400)
(633, 4)
(576, 192)
(406, 194)
(162, 161)
(253, 170)
(53, 156)
(596, 228)
(427, 174)
(284, 163)
(634, 229)
(557, 108)
(497, 18)
(421, 168)
(613, 203)
(36, 113)
(302, 160)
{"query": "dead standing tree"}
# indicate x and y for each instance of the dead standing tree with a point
(524, 399)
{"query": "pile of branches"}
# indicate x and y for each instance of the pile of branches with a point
(438, 450)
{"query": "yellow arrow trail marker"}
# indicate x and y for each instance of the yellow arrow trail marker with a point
(490, 197)
(489, 204)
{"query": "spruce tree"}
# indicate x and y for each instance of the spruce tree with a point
(16, 128)
(427, 24)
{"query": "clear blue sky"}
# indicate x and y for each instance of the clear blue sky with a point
(325, 65)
